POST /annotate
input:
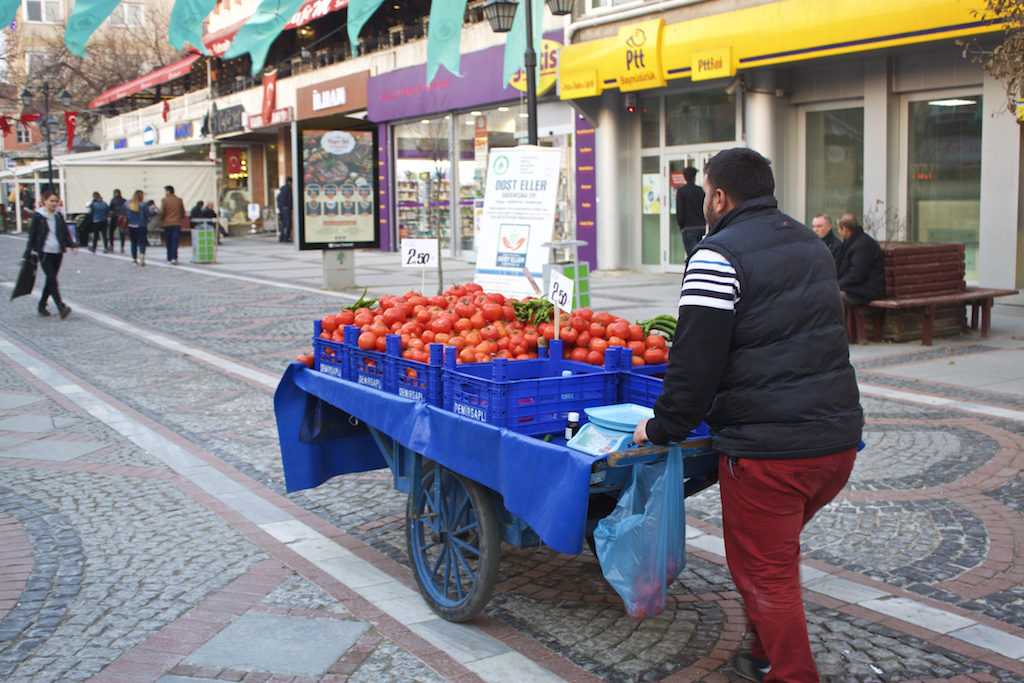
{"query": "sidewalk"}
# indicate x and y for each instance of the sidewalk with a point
(146, 534)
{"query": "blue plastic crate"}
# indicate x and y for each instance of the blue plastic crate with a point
(368, 368)
(414, 379)
(329, 357)
(527, 396)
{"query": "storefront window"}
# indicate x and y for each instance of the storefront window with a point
(235, 192)
(699, 117)
(422, 178)
(650, 132)
(944, 183)
(650, 211)
(478, 132)
(835, 163)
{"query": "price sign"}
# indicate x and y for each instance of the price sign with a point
(253, 212)
(419, 253)
(560, 291)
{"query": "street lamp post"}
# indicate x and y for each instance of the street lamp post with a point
(49, 124)
(500, 14)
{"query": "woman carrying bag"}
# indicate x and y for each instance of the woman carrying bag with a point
(49, 237)
(139, 213)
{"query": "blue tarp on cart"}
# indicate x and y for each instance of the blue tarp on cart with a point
(545, 484)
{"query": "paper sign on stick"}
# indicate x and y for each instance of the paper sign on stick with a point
(560, 291)
(418, 253)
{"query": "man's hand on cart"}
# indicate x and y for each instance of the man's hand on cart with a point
(640, 433)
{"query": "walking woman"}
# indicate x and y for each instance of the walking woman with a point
(139, 212)
(117, 206)
(48, 236)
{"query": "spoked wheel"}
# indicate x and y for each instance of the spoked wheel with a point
(454, 543)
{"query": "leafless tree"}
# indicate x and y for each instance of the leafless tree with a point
(1004, 61)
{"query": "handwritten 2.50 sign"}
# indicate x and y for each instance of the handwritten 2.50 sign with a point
(560, 291)
(419, 253)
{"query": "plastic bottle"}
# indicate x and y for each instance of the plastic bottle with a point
(572, 426)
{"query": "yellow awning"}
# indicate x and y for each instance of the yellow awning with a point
(775, 33)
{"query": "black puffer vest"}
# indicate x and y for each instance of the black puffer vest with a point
(788, 389)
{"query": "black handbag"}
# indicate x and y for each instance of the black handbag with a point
(26, 276)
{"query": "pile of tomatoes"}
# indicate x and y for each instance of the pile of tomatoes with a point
(486, 325)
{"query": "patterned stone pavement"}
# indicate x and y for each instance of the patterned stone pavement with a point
(119, 564)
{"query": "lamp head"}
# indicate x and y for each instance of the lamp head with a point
(65, 98)
(560, 7)
(500, 14)
(26, 97)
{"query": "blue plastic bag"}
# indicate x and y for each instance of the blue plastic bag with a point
(641, 544)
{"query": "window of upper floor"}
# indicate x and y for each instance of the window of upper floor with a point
(128, 15)
(44, 11)
(38, 63)
(24, 135)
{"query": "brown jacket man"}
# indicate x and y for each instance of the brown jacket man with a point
(172, 209)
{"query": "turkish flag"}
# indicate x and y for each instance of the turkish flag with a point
(28, 118)
(166, 111)
(269, 95)
(233, 159)
(4, 125)
(70, 118)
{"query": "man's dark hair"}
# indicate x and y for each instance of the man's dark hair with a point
(169, 188)
(741, 173)
(849, 221)
(288, 180)
(690, 173)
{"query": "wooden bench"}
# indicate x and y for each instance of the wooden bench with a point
(979, 298)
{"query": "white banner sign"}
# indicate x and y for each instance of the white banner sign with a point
(518, 217)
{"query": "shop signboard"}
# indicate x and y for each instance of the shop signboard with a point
(335, 96)
(277, 117)
(405, 93)
(227, 120)
(518, 218)
(337, 189)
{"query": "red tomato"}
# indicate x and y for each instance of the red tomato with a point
(636, 333)
(489, 332)
(345, 318)
(579, 323)
(616, 341)
(329, 324)
(596, 330)
(638, 348)
(508, 313)
(491, 311)
(412, 328)
(619, 328)
(306, 359)
(579, 354)
(441, 324)
(368, 341)
(656, 341)
(603, 317)
(496, 297)
(442, 337)
(477, 320)
(362, 318)
(423, 316)
(584, 313)
(638, 360)
(438, 301)
(583, 339)
(462, 324)
(546, 330)
(382, 341)
(427, 336)
(503, 353)
(464, 307)
(595, 357)
(473, 287)
(654, 356)
(467, 355)
(457, 342)
(598, 344)
(417, 300)
(569, 335)
(473, 338)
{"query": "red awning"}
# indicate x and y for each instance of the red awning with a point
(217, 43)
(150, 80)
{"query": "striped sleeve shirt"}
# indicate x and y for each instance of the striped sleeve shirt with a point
(700, 350)
(710, 281)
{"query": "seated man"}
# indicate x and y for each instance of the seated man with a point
(860, 264)
(822, 227)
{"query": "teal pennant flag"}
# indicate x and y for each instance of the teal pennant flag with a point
(443, 36)
(86, 18)
(515, 41)
(187, 23)
(260, 30)
(8, 11)
(359, 12)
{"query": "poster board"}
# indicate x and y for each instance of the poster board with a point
(337, 189)
(518, 217)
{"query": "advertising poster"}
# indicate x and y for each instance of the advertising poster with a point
(337, 189)
(518, 218)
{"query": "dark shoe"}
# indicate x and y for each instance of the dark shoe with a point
(750, 667)
(92, 249)
(43, 312)
(65, 311)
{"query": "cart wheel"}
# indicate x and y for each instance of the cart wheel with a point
(454, 543)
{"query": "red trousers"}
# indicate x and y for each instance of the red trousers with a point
(765, 505)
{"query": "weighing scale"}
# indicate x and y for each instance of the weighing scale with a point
(610, 428)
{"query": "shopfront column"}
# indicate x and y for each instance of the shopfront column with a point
(618, 198)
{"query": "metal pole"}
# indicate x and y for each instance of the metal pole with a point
(530, 64)
(49, 147)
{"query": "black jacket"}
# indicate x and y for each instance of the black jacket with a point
(284, 198)
(833, 243)
(772, 377)
(860, 265)
(690, 206)
(39, 228)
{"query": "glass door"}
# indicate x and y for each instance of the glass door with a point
(662, 242)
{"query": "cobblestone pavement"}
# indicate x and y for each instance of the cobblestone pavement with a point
(146, 532)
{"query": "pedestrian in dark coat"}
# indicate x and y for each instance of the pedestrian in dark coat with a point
(860, 264)
(49, 237)
(690, 210)
(284, 211)
(117, 209)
